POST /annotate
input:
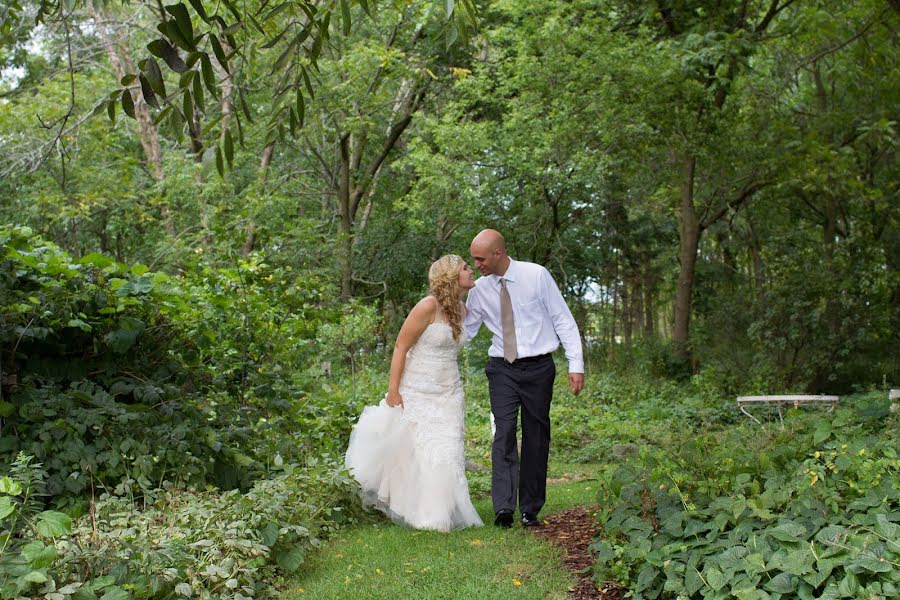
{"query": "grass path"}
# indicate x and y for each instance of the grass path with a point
(383, 561)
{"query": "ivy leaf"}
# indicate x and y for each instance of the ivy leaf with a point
(715, 578)
(783, 583)
(789, 532)
(848, 585)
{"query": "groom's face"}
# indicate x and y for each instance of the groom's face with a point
(486, 258)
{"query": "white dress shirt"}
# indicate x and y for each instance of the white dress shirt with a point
(542, 317)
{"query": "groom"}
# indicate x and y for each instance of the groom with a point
(521, 305)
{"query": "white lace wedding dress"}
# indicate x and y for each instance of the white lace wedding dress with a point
(410, 462)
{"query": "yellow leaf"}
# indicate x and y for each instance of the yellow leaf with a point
(516, 582)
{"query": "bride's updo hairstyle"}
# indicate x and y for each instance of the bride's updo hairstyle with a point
(443, 280)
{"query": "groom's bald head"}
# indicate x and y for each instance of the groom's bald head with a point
(489, 252)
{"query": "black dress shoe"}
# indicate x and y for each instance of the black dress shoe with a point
(529, 520)
(503, 518)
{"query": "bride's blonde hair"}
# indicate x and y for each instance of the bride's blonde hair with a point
(443, 281)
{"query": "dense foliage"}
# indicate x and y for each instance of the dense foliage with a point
(196, 300)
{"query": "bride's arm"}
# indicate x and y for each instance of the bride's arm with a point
(418, 319)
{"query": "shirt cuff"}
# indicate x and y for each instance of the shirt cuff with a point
(576, 366)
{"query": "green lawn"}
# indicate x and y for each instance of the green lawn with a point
(382, 560)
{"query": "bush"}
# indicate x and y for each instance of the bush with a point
(740, 513)
(187, 544)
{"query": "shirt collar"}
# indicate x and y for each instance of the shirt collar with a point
(510, 274)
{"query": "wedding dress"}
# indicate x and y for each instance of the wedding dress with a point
(410, 461)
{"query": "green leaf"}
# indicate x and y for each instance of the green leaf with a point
(172, 31)
(188, 107)
(290, 559)
(848, 586)
(209, 76)
(788, 532)
(220, 166)
(822, 432)
(6, 507)
(783, 583)
(301, 108)
(872, 563)
(715, 578)
(799, 562)
(39, 555)
(198, 6)
(164, 50)
(10, 486)
(345, 17)
(36, 577)
(183, 20)
(128, 79)
(154, 75)
(198, 94)
(228, 144)
(883, 527)
(147, 92)
(128, 103)
(79, 324)
(219, 52)
(269, 534)
(51, 523)
(449, 7)
(646, 577)
(115, 593)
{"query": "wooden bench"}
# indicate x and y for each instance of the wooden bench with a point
(895, 400)
(744, 402)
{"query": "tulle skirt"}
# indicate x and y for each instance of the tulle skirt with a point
(401, 478)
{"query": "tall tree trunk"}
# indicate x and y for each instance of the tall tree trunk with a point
(649, 309)
(264, 163)
(121, 62)
(689, 243)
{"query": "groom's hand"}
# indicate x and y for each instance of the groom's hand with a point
(576, 382)
(394, 399)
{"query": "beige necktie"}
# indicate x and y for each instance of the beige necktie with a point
(508, 323)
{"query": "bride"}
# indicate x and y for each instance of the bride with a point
(407, 452)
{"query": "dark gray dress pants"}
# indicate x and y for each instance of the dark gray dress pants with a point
(527, 384)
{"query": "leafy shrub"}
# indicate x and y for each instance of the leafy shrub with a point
(741, 514)
(186, 544)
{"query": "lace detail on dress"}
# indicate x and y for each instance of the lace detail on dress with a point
(433, 397)
(410, 462)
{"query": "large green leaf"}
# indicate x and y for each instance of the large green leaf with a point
(39, 555)
(291, 558)
(51, 523)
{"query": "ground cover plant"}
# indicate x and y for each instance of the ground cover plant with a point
(810, 511)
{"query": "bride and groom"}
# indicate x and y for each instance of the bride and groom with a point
(407, 452)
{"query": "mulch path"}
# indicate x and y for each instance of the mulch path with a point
(572, 531)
